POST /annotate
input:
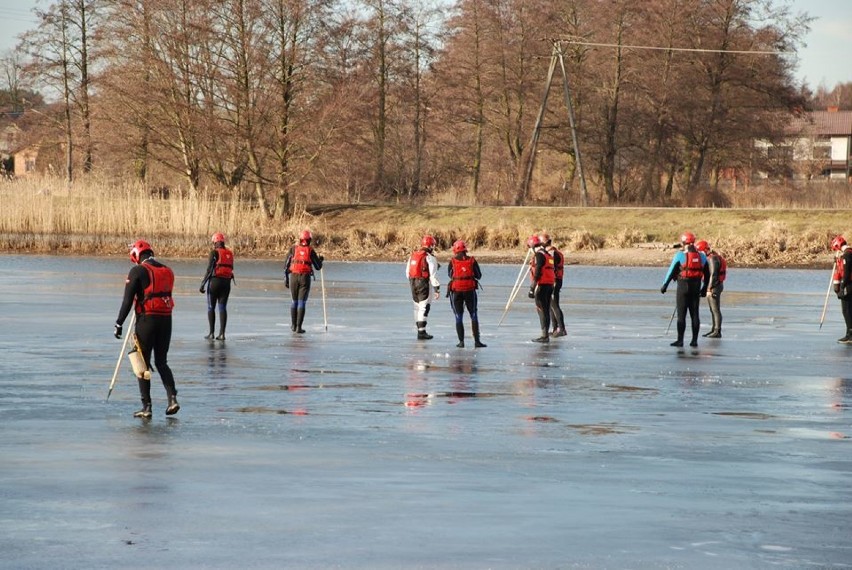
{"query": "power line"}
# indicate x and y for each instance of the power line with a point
(661, 48)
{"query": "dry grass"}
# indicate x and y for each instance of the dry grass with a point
(98, 218)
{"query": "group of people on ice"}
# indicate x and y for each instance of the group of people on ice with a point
(698, 270)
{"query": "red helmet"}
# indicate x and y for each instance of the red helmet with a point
(687, 238)
(459, 246)
(218, 237)
(545, 238)
(702, 245)
(138, 248)
(533, 241)
(838, 242)
(428, 241)
(305, 237)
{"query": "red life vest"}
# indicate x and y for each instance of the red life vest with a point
(692, 268)
(417, 266)
(224, 264)
(838, 270)
(157, 298)
(301, 262)
(548, 270)
(558, 264)
(723, 267)
(463, 279)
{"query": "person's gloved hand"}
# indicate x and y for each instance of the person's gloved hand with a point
(531, 294)
(118, 330)
(201, 289)
(704, 292)
(321, 258)
(664, 288)
(287, 283)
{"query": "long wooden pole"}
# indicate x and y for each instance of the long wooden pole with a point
(121, 354)
(516, 287)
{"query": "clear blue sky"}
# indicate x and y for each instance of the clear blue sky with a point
(826, 59)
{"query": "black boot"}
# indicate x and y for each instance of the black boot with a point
(693, 342)
(211, 321)
(460, 333)
(222, 325)
(543, 338)
(293, 316)
(678, 342)
(476, 342)
(145, 392)
(300, 318)
(173, 405)
(421, 331)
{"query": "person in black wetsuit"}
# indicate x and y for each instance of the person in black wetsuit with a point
(148, 291)
(299, 268)
(217, 278)
(842, 282)
(689, 268)
(542, 278)
(718, 270)
(464, 275)
(557, 317)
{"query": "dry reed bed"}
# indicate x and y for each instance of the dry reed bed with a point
(41, 216)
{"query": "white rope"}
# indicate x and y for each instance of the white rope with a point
(660, 48)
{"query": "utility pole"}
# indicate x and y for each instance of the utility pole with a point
(557, 56)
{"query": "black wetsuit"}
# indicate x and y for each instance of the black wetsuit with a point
(542, 293)
(461, 299)
(300, 287)
(557, 316)
(690, 289)
(844, 290)
(218, 291)
(154, 332)
(714, 289)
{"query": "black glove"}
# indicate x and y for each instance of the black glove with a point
(531, 294)
(201, 289)
(118, 330)
(321, 258)
(704, 292)
(287, 283)
(663, 288)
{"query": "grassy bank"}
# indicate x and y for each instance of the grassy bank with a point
(103, 219)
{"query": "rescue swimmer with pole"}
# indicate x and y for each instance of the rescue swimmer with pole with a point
(148, 292)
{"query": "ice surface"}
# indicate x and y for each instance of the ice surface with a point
(361, 447)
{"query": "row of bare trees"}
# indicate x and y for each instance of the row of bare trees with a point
(404, 99)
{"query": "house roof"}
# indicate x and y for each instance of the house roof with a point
(825, 123)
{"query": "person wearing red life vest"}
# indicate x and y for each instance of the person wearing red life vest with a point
(299, 267)
(718, 268)
(842, 282)
(422, 273)
(464, 276)
(217, 278)
(557, 317)
(542, 280)
(148, 291)
(689, 268)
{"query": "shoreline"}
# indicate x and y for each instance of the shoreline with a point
(647, 255)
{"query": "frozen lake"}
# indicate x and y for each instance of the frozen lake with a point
(361, 447)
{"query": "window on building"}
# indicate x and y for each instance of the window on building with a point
(822, 152)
